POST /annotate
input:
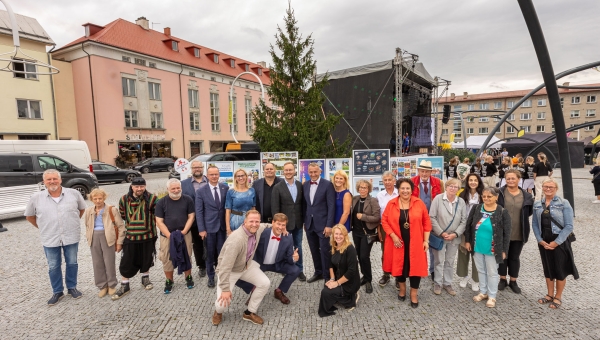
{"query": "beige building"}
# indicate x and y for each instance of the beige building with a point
(533, 116)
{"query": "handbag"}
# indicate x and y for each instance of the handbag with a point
(374, 237)
(571, 236)
(437, 242)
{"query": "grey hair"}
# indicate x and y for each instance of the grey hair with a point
(388, 173)
(196, 161)
(51, 171)
(551, 180)
(493, 191)
(171, 181)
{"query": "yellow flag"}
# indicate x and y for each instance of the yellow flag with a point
(452, 137)
(596, 140)
(230, 112)
(521, 133)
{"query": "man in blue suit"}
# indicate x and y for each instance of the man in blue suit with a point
(275, 253)
(189, 186)
(210, 218)
(319, 213)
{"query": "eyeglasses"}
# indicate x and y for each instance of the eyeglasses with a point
(198, 167)
(240, 176)
(487, 197)
(548, 188)
(452, 187)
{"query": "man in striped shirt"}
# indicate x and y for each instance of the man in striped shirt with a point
(137, 210)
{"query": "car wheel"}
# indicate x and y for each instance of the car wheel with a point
(170, 168)
(130, 178)
(82, 189)
(145, 170)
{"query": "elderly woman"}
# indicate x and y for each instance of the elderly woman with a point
(472, 197)
(407, 226)
(343, 199)
(365, 220)
(488, 172)
(448, 216)
(238, 201)
(344, 282)
(552, 224)
(105, 232)
(488, 235)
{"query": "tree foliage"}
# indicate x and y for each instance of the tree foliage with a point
(297, 122)
(461, 153)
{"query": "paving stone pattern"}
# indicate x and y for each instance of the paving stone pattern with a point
(187, 313)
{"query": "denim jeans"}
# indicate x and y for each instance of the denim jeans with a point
(297, 235)
(431, 260)
(488, 274)
(53, 255)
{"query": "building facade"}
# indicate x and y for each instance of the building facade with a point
(533, 116)
(140, 93)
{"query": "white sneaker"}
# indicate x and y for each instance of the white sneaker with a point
(475, 286)
(463, 282)
(596, 201)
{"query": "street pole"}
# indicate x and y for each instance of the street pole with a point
(230, 116)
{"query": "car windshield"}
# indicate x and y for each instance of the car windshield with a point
(202, 158)
(146, 161)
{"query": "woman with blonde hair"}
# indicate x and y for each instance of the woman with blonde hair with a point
(505, 165)
(105, 232)
(238, 201)
(541, 172)
(343, 199)
(528, 182)
(344, 282)
(488, 172)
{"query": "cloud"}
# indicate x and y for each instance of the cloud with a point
(255, 31)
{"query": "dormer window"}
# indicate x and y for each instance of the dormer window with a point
(232, 63)
(213, 56)
(174, 45)
(260, 71)
(245, 66)
(196, 52)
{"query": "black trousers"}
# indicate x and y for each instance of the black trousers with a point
(415, 281)
(512, 262)
(137, 257)
(199, 253)
(331, 296)
(363, 250)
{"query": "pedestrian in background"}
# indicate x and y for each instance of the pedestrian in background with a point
(488, 172)
(541, 172)
(528, 181)
(462, 170)
(595, 171)
(505, 165)
(476, 167)
(451, 169)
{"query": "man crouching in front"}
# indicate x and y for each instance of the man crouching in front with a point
(236, 263)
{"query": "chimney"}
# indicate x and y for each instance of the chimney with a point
(262, 64)
(452, 96)
(465, 94)
(143, 22)
(168, 31)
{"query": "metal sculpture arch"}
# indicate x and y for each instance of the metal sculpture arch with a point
(525, 138)
(553, 136)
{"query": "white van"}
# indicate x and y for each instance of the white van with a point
(75, 152)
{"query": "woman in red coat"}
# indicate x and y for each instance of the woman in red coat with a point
(407, 225)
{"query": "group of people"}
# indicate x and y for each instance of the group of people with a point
(238, 234)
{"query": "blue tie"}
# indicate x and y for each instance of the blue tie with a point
(217, 199)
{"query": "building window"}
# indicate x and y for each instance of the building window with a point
(195, 148)
(248, 107)
(154, 91)
(232, 63)
(510, 104)
(126, 59)
(541, 102)
(260, 71)
(457, 125)
(498, 131)
(457, 108)
(19, 68)
(497, 105)
(540, 128)
(140, 62)
(483, 130)
(525, 116)
(562, 102)
(591, 113)
(152, 65)
(591, 99)
(29, 109)
(496, 119)
(214, 112)
(128, 87)
(575, 114)
(33, 137)
(444, 131)
(216, 58)
(174, 45)
(484, 119)
(470, 119)
(196, 54)
(511, 117)
(526, 128)
(485, 106)
(156, 120)
(575, 100)
(470, 107)
(195, 121)
(470, 131)
(541, 115)
(589, 128)
(193, 98)
(247, 68)
(552, 127)
(510, 129)
(192, 74)
(526, 103)
(234, 114)
(131, 119)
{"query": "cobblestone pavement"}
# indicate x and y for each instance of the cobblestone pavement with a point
(187, 313)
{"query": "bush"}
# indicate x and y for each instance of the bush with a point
(461, 153)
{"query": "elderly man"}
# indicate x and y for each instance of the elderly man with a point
(236, 263)
(383, 198)
(137, 210)
(189, 186)
(264, 191)
(56, 213)
(174, 217)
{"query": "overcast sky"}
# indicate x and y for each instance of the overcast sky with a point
(480, 45)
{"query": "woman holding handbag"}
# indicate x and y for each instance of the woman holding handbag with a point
(365, 219)
(105, 232)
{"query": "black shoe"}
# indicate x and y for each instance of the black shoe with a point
(211, 282)
(123, 290)
(515, 287)
(369, 288)
(75, 294)
(315, 278)
(502, 284)
(402, 298)
(363, 281)
(168, 286)
(302, 277)
(432, 276)
(146, 282)
(202, 272)
(55, 298)
(189, 282)
(384, 280)
(414, 304)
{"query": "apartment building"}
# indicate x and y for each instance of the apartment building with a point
(533, 116)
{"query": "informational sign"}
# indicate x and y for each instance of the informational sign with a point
(403, 166)
(303, 168)
(252, 168)
(183, 167)
(437, 163)
(225, 171)
(335, 164)
(371, 162)
(376, 182)
(279, 159)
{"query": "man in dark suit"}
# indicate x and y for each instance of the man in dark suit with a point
(319, 213)
(189, 186)
(275, 253)
(264, 189)
(210, 218)
(288, 199)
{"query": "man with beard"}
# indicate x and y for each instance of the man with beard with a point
(56, 213)
(174, 218)
(189, 187)
(264, 190)
(137, 210)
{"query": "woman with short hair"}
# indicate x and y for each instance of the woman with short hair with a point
(541, 172)
(343, 199)
(238, 201)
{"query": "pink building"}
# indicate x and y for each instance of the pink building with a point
(140, 93)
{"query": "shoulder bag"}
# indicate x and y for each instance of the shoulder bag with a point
(112, 218)
(437, 242)
(571, 236)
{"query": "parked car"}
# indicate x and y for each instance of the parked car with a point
(220, 156)
(154, 164)
(107, 173)
(75, 152)
(21, 176)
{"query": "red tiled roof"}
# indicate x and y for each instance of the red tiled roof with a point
(130, 36)
(507, 94)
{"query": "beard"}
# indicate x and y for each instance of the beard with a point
(53, 187)
(175, 196)
(197, 174)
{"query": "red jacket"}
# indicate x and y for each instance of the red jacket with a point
(393, 258)
(436, 186)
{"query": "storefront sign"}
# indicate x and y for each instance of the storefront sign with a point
(144, 137)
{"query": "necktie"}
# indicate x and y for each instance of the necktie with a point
(315, 183)
(276, 238)
(217, 199)
(425, 188)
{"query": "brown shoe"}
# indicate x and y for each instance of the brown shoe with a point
(112, 291)
(255, 319)
(217, 318)
(281, 297)
(102, 292)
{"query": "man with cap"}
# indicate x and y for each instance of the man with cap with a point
(426, 188)
(189, 186)
(137, 210)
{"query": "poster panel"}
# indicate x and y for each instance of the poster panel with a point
(375, 181)
(278, 159)
(252, 168)
(335, 164)
(403, 166)
(437, 163)
(303, 168)
(225, 171)
(370, 162)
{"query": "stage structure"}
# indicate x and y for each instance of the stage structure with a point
(380, 102)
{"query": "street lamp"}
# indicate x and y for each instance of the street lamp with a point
(262, 88)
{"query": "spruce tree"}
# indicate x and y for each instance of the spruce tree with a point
(298, 122)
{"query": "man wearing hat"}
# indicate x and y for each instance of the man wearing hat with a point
(426, 188)
(137, 210)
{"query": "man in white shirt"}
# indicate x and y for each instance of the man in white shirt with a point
(383, 197)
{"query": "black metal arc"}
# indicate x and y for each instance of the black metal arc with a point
(579, 87)
(526, 138)
(553, 136)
